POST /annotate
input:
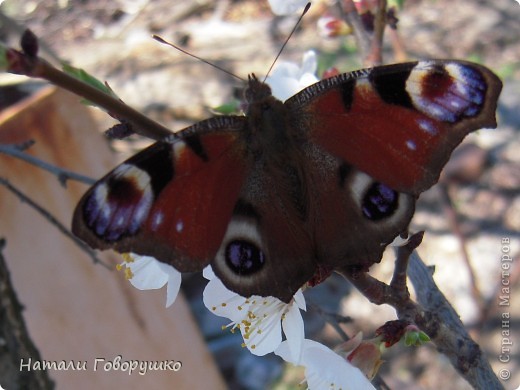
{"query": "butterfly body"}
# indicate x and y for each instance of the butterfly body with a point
(324, 180)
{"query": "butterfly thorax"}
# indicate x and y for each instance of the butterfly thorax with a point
(267, 132)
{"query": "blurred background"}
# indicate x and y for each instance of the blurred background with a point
(78, 311)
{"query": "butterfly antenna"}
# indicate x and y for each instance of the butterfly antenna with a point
(161, 40)
(307, 6)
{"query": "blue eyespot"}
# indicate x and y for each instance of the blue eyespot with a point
(244, 258)
(379, 202)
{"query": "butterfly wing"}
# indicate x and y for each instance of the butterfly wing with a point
(399, 123)
(173, 200)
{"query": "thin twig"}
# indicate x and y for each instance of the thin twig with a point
(49, 217)
(492, 304)
(369, 43)
(398, 46)
(434, 315)
(374, 56)
(453, 221)
(10, 24)
(334, 319)
(143, 125)
(349, 14)
(62, 174)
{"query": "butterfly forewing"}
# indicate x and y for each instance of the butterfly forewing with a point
(172, 201)
(399, 123)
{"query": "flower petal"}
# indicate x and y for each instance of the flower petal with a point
(223, 302)
(292, 326)
(309, 64)
(286, 7)
(300, 300)
(173, 287)
(147, 273)
(288, 78)
(324, 368)
(399, 241)
(265, 338)
(208, 273)
(283, 87)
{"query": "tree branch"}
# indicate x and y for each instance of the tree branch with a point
(350, 15)
(369, 43)
(375, 56)
(27, 63)
(434, 315)
(442, 323)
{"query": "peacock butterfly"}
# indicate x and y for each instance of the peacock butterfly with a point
(324, 180)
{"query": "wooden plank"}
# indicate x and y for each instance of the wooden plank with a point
(77, 311)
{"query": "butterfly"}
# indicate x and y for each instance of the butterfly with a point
(325, 180)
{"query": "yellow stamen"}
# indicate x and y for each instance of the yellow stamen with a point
(128, 274)
(127, 258)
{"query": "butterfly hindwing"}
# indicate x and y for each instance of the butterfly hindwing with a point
(268, 248)
(354, 217)
(172, 200)
(399, 123)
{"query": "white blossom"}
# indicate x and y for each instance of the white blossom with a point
(259, 319)
(325, 369)
(288, 78)
(148, 273)
(286, 7)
